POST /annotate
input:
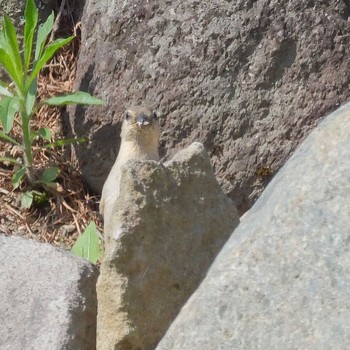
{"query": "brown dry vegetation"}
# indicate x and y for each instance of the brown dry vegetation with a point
(71, 207)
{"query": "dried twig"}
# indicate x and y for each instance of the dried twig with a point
(14, 211)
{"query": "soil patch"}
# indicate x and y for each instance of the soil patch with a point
(66, 212)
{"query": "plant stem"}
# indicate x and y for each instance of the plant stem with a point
(28, 156)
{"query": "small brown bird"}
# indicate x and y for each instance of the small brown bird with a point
(139, 140)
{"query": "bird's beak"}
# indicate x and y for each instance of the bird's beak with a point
(142, 120)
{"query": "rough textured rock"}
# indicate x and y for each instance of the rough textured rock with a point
(282, 280)
(169, 223)
(249, 79)
(47, 298)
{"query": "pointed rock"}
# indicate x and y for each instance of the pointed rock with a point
(168, 225)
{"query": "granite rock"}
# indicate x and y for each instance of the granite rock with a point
(168, 224)
(248, 79)
(282, 280)
(47, 297)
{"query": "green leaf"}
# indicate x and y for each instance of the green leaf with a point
(64, 142)
(79, 97)
(4, 91)
(40, 198)
(48, 53)
(8, 109)
(31, 20)
(49, 184)
(2, 40)
(43, 32)
(9, 160)
(31, 96)
(27, 199)
(18, 177)
(8, 138)
(45, 133)
(12, 46)
(87, 245)
(7, 63)
(50, 174)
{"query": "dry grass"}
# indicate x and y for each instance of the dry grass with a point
(70, 207)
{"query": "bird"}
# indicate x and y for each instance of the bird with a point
(139, 135)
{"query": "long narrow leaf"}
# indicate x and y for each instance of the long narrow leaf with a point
(79, 97)
(48, 53)
(4, 91)
(43, 32)
(7, 63)
(8, 138)
(31, 95)
(64, 142)
(8, 108)
(31, 20)
(12, 45)
(18, 177)
(9, 160)
(2, 40)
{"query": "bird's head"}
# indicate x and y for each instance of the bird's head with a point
(140, 122)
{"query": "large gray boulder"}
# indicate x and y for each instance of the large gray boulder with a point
(282, 281)
(47, 298)
(249, 79)
(169, 223)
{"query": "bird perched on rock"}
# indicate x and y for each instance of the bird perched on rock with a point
(139, 140)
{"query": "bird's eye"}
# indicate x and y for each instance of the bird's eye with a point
(154, 115)
(127, 116)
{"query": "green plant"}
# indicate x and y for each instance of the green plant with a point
(88, 244)
(19, 97)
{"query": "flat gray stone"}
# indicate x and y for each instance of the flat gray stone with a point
(282, 281)
(47, 298)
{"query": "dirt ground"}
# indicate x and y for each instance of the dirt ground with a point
(66, 212)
